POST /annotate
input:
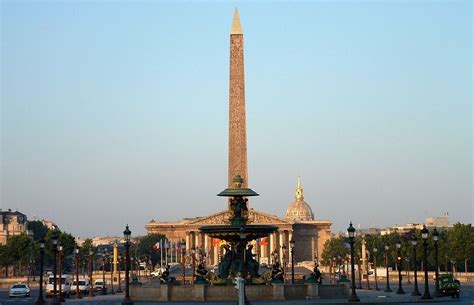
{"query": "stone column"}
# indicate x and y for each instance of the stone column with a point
(280, 243)
(188, 241)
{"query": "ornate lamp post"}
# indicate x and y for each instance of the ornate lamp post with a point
(399, 267)
(292, 249)
(436, 239)
(183, 259)
(193, 263)
(119, 288)
(91, 287)
(367, 252)
(387, 287)
(76, 260)
(424, 236)
(40, 300)
(351, 233)
(285, 263)
(111, 260)
(126, 234)
(60, 255)
(375, 250)
(104, 286)
(54, 299)
(414, 242)
(359, 268)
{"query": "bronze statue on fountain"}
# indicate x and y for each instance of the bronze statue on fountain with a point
(238, 258)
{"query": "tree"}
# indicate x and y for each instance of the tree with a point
(144, 248)
(461, 243)
(39, 229)
(20, 248)
(333, 248)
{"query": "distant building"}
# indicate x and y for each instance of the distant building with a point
(11, 224)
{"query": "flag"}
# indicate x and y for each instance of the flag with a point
(156, 246)
(216, 241)
(264, 241)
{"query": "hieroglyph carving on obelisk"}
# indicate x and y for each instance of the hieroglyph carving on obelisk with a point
(237, 122)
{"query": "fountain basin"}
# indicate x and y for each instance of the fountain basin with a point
(238, 233)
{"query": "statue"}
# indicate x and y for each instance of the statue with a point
(315, 276)
(277, 272)
(238, 211)
(251, 262)
(226, 262)
(201, 274)
(165, 276)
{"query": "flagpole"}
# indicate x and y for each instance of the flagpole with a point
(161, 253)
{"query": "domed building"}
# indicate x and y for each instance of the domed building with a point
(299, 210)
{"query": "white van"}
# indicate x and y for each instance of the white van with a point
(83, 286)
(65, 285)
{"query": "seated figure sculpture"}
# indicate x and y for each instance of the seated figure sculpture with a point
(277, 272)
(315, 276)
(201, 274)
(226, 262)
(251, 262)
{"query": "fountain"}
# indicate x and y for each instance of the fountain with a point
(238, 261)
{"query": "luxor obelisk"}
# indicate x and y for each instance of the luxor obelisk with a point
(237, 121)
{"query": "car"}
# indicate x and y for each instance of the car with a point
(19, 290)
(83, 286)
(448, 285)
(65, 285)
(98, 285)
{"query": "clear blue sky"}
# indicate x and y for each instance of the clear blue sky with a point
(115, 112)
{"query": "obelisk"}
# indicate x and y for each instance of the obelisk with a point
(237, 122)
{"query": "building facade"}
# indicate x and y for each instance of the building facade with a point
(11, 224)
(309, 234)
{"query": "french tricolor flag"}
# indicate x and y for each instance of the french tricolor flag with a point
(156, 246)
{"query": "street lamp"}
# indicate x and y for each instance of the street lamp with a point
(54, 240)
(367, 252)
(183, 259)
(375, 250)
(424, 236)
(91, 287)
(119, 260)
(60, 254)
(126, 234)
(387, 287)
(40, 300)
(351, 233)
(104, 286)
(414, 242)
(399, 267)
(285, 264)
(193, 262)
(76, 257)
(292, 249)
(436, 239)
(111, 260)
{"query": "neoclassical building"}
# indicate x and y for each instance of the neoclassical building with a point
(299, 224)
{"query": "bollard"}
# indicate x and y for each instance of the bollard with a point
(240, 287)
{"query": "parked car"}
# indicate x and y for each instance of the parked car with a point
(448, 285)
(83, 286)
(98, 285)
(65, 285)
(19, 290)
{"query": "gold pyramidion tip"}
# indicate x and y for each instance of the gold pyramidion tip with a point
(236, 27)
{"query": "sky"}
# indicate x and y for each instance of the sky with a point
(116, 112)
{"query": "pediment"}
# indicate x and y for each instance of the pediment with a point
(222, 218)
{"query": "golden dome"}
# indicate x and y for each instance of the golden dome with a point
(299, 210)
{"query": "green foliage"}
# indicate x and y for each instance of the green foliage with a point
(144, 248)
(461, 243)
(333, 248)
(39, 229)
